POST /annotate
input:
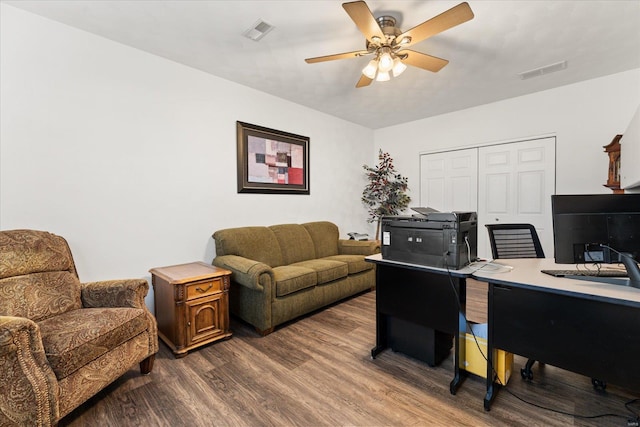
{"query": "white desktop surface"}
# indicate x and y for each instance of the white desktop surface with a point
(463, 272)
(527, 273)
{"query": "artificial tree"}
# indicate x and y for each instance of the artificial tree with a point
(386, 192)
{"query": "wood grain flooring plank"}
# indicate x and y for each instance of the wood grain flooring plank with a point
(317, 371)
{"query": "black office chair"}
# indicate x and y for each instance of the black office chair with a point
(516, 241)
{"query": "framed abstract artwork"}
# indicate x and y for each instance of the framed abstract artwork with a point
(271, 161)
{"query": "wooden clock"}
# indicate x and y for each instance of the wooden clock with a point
(613, 150)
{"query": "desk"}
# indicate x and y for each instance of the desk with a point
(418, 311)
(585, 327)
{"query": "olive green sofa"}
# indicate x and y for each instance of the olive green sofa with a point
(284, 271)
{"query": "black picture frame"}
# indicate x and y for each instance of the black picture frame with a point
(271, 161)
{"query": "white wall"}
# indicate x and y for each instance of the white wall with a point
(630, 156)
(584, 117)
(132, 157)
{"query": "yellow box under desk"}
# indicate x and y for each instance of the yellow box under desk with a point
(474, 361)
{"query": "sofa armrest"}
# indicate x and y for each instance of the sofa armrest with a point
(115, 293)
(358, 247)
(246, 272)
(29, 389)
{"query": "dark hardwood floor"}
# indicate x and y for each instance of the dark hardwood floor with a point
(317, 371)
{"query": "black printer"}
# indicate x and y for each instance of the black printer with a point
(435, 239)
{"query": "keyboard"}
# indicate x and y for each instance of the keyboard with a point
(590, 273)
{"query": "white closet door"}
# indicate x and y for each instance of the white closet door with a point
(449, 180)
(515, 184)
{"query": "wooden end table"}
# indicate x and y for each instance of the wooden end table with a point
(191, 305)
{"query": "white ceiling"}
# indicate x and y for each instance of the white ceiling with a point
(486, 54)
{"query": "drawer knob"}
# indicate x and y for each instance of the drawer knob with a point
(199, 289)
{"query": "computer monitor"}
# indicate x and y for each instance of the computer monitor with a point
(591, 228)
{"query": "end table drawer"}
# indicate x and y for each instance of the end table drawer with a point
(204, 288)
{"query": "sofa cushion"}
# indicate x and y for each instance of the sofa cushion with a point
(356, 263)
(256, 243)
(327, 270)
(38, 296)
(325, 237)
(290, 279)
(75, 338)
(295, 243)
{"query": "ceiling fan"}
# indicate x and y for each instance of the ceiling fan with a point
(389, 45)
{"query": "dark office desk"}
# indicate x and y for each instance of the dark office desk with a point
(418, 312)
(585, 327)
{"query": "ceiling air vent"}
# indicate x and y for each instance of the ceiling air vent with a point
(258, 30)
(543, 70)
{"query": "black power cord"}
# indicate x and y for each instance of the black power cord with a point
(631, 422)
(633, 271)
(635, 420)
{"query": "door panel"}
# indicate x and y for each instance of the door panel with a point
(506, 183)
(449, 180)
(463, 189)
(497, 198)
(516, 181)
(530, 193)
(436, 191)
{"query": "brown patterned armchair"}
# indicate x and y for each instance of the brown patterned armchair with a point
(62, 341)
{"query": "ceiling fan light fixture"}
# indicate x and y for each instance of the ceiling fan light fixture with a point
(383, 76)
(386, 42)
(385, 62)
(371, 69)
(398, 67)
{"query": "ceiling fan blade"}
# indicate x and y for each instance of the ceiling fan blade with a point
(424, 61)
(364, 81)
(364, 19)
(452, 17)
(345, 55)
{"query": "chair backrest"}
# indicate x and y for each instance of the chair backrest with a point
(325, 236)
(514, 241)
(295, 243)
(38, 278)
(257, 243)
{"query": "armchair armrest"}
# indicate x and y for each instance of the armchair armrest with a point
(246, 272)
(122, 293)
(358, 247)
(29, 388)
(115, 293)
